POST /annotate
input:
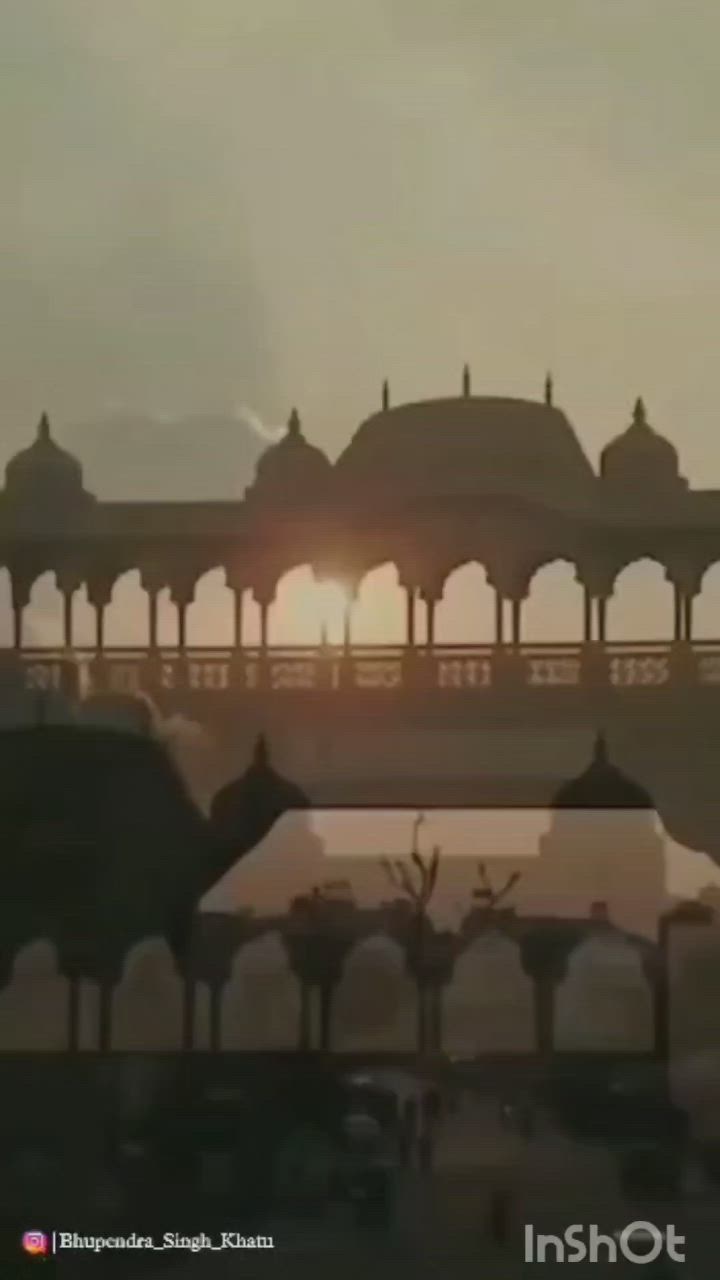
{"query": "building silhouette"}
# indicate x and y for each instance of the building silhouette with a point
(428, 486)
(602, 853)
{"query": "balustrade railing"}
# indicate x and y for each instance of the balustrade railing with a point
(445, 668)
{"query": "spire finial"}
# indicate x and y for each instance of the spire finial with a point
(294, 423)
(466, 380)
(639, 413)
(386, 394)
(261, 755)
(600, 751)
(43, 431)
(549, 388)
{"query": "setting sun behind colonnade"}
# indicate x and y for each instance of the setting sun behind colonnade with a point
(305, 610)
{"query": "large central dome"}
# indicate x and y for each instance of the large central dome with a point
(465, 447)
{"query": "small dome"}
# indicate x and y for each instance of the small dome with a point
(291, 471)
(44, 469)
(245, 810)
(641, 457)
(602, 786)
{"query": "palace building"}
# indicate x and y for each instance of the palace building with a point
(429, 486)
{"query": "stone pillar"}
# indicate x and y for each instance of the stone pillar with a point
(67, 599)
(100, 627)
(602, 619)
(688, 617)
(188, 1014)
(545, 949)
(516, 621)
(152, 596)
(597, 578)
(182, 608)
(264, 609)
(679, 619)
(430, 604)
(587, 617)
(410, 595)
(499, 617)
(99, 592)
(264, 594)
(215, 997)
(68, 583)
(18, 610)
(182, 594)
(238, 593)
(20, 586)
(510, 582)
(545, 992)
(686, 578)
(73, 1012)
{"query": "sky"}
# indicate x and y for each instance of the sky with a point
(213, 203)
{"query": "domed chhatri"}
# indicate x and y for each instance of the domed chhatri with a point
(467, 446)
(641, 458)
(602, 786)
(245, 810)
(293, 471)
(44, 471)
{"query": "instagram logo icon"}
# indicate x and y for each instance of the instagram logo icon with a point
(35, 1243)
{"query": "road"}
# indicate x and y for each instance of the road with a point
(441, 1224)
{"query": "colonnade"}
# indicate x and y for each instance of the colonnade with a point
(420, 609)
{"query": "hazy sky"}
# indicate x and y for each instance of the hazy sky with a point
(209, 203)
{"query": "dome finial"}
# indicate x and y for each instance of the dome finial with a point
(386, 395)
(43, 431)
(639, 413)
(548, 388)
(294, 428)
(466, 380)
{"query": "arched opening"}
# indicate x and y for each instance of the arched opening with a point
(147, 1011)
(379, 614)
(167, 620)
(211, 616)
(488, 1005)
(261, 1001)
(126, 616)
(33, 1004)
(641, 606)
(706, 606)
(43, 615)
(250, 620)
(6, 610)
(375, 1004)
(553, 611)
(83, 620)
(604, 1002)
(466, 612)
(305, 609)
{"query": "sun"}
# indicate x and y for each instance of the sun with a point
(307, 610)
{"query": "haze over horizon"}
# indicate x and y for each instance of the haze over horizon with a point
(210, 204)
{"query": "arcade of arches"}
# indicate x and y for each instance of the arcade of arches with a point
(643, 609)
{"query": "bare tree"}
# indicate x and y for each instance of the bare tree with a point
(416, 881)
(490, 897)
